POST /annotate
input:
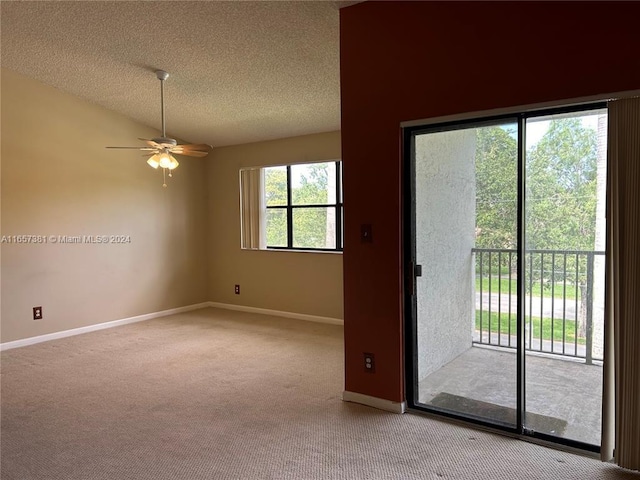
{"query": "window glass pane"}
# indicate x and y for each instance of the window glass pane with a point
(342, 229)
(313, 183)
(275, 186)
(314, 227)
(276, 225)
(342, 179)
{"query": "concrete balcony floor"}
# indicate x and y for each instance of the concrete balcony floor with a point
(563, 396)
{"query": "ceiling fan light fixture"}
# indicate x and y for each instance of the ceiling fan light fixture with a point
(165, 160)
(154, 161)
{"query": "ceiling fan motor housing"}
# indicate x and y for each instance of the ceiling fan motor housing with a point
(165, 141)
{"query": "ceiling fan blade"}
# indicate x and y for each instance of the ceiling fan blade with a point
(151, 143)
(192, 150)
(200, 147)
(136, 148)
(191, 153)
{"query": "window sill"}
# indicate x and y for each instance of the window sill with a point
(293, 250)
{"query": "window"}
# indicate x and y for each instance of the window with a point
(299, 206)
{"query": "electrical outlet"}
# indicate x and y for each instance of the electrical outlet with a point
(37, 313)
(237, 290)
(369, 362)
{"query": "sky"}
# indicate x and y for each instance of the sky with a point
(537, 127)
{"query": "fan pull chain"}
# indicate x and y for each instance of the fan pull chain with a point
(164, 177)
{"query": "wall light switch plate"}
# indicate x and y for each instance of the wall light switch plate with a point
(366, 233)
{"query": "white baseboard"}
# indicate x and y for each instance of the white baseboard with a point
(375, 402)
(100, 326)
(278, 313)
(148, 316)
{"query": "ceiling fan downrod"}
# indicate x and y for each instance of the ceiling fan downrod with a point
(162, 76)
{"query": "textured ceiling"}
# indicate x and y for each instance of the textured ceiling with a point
(239, 71)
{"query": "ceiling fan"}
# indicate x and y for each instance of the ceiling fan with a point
(162, 148)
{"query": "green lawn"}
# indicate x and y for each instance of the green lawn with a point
(570, 327)
(503, 285)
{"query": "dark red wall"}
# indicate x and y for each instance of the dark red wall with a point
(413, 60)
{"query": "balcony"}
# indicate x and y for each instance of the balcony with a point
(563, 340)
(560, 304)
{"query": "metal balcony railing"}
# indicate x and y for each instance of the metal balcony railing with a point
(560, 306)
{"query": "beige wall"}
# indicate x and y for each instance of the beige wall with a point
(301, 282)
(58, 179)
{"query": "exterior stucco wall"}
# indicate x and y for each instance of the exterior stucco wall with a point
(445, 226)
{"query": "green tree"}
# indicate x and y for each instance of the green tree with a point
(561, 188)
(562, 197)
(496, 188)
(275, 190)
(313, 185)
(311, 226)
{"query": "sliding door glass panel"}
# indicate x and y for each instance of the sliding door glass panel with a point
(466, 240)
(565, 175)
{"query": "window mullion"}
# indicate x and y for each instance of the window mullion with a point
(289, 210)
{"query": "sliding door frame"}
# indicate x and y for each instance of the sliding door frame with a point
(412, 271)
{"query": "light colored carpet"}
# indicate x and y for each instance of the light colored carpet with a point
(215, 394)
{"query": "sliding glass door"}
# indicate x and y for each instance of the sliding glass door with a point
(565, 178)
(504, 257)
(458, 176)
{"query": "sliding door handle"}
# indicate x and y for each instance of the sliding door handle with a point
(414, 271)
(417, 270)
